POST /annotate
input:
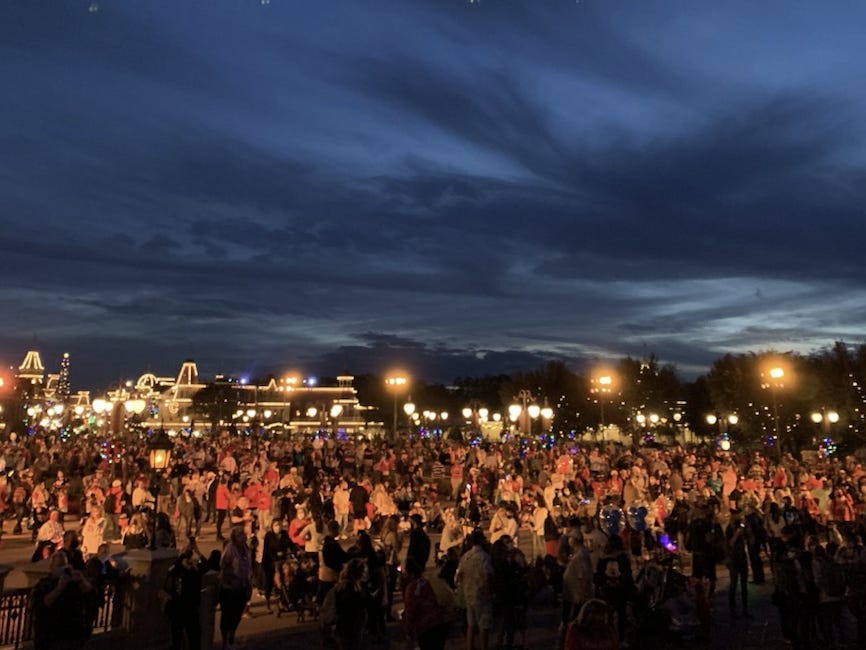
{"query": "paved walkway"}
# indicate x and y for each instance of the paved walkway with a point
(266, 631)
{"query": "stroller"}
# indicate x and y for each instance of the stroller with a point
(298, 589)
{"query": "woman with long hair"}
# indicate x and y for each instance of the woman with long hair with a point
(351, 605)
(135, 534)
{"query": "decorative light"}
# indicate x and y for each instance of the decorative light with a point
(409, 409)
(467, 412)
(251, 413)
(817, 417)
(483, 412)
(833, 417)
(336, 411)
(514, 411)
(311, 412)
(443, 415)
(534, 410)
(712, 419)
(547, 413)
(267, 413)
(497, 417)
(733, 418)
(160, 450)
(100, 405)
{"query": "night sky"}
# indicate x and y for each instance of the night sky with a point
(465, 188)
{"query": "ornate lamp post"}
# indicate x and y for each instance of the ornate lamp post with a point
(160, 448)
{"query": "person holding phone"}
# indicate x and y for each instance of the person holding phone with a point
(738, 564)
(59, 611)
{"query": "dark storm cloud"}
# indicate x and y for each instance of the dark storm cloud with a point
(465, 185)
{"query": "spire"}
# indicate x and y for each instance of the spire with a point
(188, 375)
(63, 386)
(31, 368)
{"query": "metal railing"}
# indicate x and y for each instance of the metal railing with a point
(16, 621)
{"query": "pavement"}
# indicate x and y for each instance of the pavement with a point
(265, 631)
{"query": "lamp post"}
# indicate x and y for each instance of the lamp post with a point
(475, 413)
(396, 384)
(724, 438)
(409, 410)
(774, 379)
(517, 410)
(647, 422)
(335, 413)
(602, 386)
(826, 418)
(160, 448)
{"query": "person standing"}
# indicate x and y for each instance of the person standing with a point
(331, 561)
(235, 585)
(60, 607)
(474, 580)
(351, 606)
(183, 585)
(419, 542)
(222, 499)
(577, 581)
(341, 507)
(738, 564)
(424, 620)
(275, 550)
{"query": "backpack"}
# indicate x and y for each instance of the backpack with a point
(551, 530)
(110, 504)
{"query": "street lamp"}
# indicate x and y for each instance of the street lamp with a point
(396, 384)
(724, 438)
(774, 379)
(647, 422)
(160, 448)
(602, 385)
(516, 410)
(826, 418)
(476, 413)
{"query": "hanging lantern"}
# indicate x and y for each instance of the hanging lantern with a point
(161, 447)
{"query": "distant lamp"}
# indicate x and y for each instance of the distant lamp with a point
(817, 417)
(514, 412)
(467, 412)
(134, 406)
(336, 411)
(409, 409)
(534, 410)
(725, 445)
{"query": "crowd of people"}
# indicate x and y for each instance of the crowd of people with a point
(335, 528)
